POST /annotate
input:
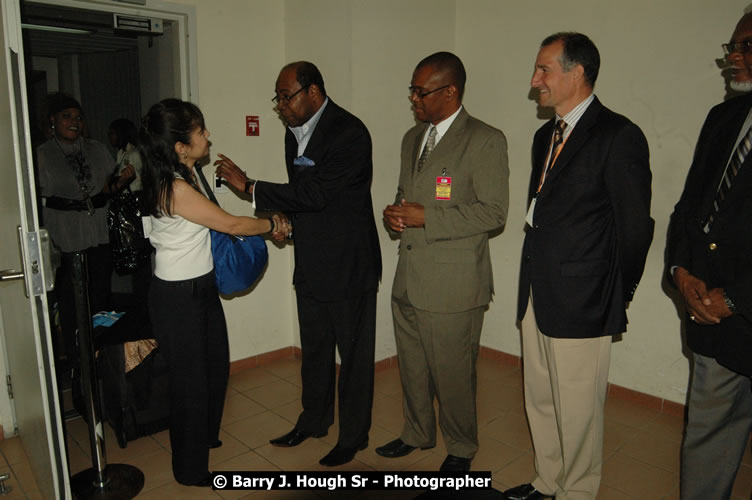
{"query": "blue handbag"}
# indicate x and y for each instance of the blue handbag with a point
(238, 260)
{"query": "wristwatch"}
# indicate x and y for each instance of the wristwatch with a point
(729, 303)
(249, 186)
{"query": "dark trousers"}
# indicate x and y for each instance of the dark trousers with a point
(99, 266)
(189, 324)
(350, 326)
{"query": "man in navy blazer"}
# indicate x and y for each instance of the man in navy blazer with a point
(587, 237)
(337, 255)
(708, 256)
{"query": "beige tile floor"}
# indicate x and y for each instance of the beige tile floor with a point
(641, 444)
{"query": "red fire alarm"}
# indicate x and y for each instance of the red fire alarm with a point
(251, 125)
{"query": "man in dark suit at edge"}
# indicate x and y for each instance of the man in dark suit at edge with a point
(337, 255)
(587, 237)
(708, 256)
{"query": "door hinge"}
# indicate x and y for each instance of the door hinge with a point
(42, 256)
(10, 386)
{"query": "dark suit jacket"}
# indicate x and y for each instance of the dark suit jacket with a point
(586, 251)
(337, 252)
(728, 265)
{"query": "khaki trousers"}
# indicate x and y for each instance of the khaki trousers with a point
(565, 383)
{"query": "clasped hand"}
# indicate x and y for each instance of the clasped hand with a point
(705, 307)
(406, 214)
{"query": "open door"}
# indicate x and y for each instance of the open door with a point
(24, 320)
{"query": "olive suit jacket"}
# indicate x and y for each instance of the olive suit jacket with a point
(445, 266)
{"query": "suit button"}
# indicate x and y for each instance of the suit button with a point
(712, 246)
(409, 247)
(527, 258)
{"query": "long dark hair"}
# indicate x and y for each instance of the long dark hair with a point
(168, 122)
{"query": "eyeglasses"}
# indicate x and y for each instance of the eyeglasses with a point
(287, 98)
(740, 47)
(421, 93)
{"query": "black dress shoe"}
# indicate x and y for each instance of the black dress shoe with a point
(341, 455)
(455, 464)
(215, 444)
(295, 437)
(525, 492)
(396, 448)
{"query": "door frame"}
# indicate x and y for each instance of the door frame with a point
(184, 18)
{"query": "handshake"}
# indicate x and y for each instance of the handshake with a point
(227, 170)
(281, 227)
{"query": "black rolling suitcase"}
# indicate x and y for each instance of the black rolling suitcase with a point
(135, 403)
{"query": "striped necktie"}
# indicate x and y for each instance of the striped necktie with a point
(430, 143)
(557, 144)
(732, 170)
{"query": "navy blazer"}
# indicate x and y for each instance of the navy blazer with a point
(721, 258)
(585, 253)
(328, 200)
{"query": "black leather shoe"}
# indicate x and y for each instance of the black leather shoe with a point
(294, 438)
(395, 449)
(455, 464)
(215, 444)
(525, 492)
(341, 455)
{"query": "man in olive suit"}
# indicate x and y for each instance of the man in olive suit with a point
(453, 190)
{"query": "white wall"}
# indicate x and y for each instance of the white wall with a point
(240, 51)
(658, 68)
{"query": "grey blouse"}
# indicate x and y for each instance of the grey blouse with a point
(69, 229)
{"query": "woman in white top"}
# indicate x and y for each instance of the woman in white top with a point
(184, 306)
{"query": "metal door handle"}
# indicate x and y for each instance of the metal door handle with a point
(11, 274)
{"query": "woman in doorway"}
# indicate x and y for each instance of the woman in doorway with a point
(184, 305)
(76, 176)
(122, 135)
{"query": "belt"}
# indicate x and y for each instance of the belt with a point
(57, 203)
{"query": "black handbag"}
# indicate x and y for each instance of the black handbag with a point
(130, 250)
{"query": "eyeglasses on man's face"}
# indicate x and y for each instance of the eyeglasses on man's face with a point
(740, 47)
(420, 93)
(287, 98)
